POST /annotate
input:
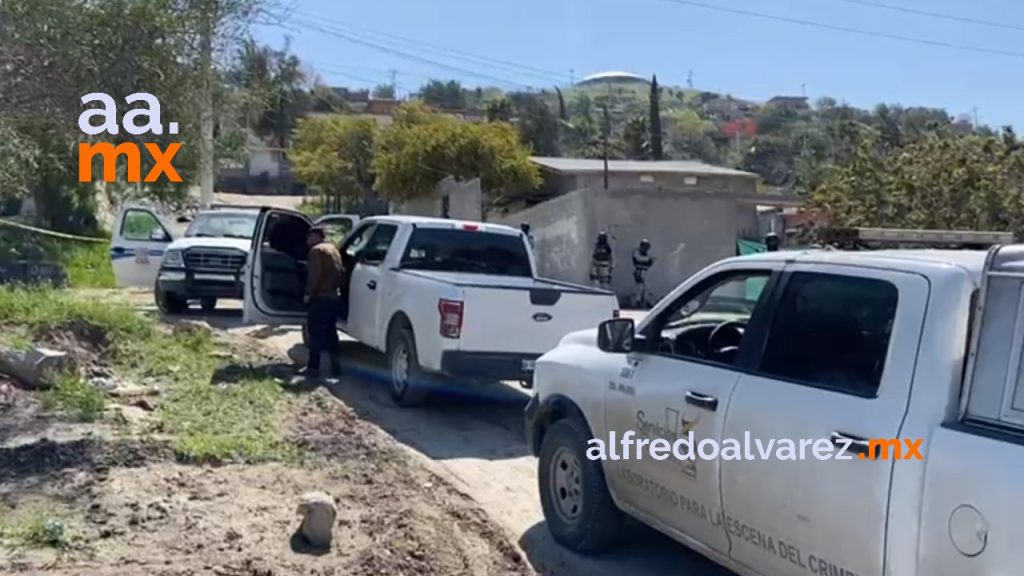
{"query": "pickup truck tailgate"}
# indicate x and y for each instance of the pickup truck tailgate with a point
(528, 315)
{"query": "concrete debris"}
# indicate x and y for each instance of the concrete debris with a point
(318, 515)
(36, 367)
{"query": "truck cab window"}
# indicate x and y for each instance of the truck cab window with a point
(709, 322)
(379, 242)
(832, 331)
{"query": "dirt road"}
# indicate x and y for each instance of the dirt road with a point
(475, 439)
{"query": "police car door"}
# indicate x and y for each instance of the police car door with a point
(140, 238)
(679, 382)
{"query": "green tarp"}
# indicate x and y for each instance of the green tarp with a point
(745, 247)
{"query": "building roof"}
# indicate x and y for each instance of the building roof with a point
(590, 166)
(613, 76)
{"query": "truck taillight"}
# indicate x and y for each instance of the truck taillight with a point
(451, 317)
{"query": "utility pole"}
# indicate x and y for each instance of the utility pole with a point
(572, 76)
(605, 130)
(206, 160)
(394, 81)
(974, 114)
(689, 79)
(803, 90)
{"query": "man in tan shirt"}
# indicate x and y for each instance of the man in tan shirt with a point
(325, 275)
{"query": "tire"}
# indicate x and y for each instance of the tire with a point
(170, 303)
(209, 304)
(406, 379)
(579, 511)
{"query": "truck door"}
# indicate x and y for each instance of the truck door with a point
(367, 250)
(274, 273)
(681, 382)
(837, 364)
(137, 248)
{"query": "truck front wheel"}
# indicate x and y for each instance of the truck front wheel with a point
(169, 302)
(578, 509)
(407, 379)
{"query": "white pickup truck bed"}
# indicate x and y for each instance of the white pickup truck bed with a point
(521, 315)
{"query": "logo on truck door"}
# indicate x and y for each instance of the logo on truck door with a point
(541, 317)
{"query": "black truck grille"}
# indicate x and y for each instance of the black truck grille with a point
(214, 260)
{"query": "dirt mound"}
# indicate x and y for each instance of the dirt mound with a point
(135, 511)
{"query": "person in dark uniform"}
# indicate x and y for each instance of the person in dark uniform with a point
(642, 262)
(602, 262)
(525, 227)
(323, 282)
(771, 242)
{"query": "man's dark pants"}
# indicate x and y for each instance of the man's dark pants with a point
(323, 332)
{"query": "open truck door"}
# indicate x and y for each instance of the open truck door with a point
(275, 272)
(141, 235)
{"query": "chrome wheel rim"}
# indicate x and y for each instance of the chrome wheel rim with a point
(566, 485)
(400, 369)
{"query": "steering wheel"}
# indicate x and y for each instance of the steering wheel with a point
(735, 328)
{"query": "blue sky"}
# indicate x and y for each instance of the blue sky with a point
(733, 53)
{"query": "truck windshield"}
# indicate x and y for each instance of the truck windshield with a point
(477, 252)
(223, 225)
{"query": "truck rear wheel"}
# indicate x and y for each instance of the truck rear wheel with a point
(209, 304)
(407, 379)
(579, 511)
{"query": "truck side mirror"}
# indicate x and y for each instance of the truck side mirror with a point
(158, 235)
(616, 335)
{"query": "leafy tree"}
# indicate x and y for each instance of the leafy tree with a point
(538, 126)
(499, 110)
(422, 148)
(384, 91)
(274, 88)
(323, 98)
(657, 150)
(444, 95)
(634, 139)
(335, 155)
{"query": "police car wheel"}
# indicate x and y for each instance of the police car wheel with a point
(574, 495)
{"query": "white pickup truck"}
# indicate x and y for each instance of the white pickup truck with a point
(918, 347)
(440, 297)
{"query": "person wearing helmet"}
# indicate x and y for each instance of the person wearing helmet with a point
(525, 227)
(602, 262)
(642, 262)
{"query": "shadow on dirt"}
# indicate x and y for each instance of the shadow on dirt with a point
(37, 460)
(641, 550)
(461, 419)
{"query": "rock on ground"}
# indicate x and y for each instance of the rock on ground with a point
(318, 515)
(35, 367)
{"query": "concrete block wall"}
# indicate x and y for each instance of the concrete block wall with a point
(562, 235)
(465, 201)
(687, 233)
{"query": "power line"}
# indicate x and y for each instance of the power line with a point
(514, 67)
(371, 44)
(930, 14)
(846, 29)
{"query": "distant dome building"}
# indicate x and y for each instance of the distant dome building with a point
(613, 78)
